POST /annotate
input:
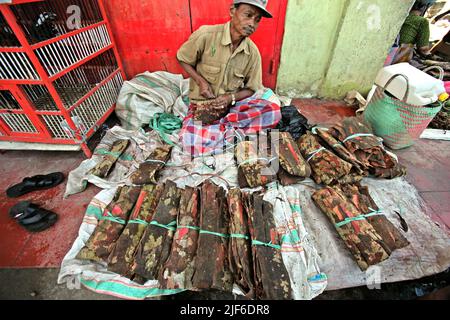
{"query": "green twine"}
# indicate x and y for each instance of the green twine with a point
(168, 226)
(215, 233)
(360, 217)
(357, 135)
(112, 218)
(165, 123)
(265, 244)
(139, 221)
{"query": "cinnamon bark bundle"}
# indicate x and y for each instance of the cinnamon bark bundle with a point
(293, 167)
(240, 249)
(211, 262)
(342, 152)
(366, 243)
(148, 170)
(327, 168)
(392, 238)
(252, 170)
(154, 248)
(270, 275)
(103, 168)
(103, 239)
(357, 136)
(121, 258)
(179, 267)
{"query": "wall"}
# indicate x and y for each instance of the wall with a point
(334, 46)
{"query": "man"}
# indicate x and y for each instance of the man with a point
(225, 72)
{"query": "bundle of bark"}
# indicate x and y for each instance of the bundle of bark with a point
(104, 167)
(293, 167)
(363, 149)
(196, 239)
(366, 231)
(110, 226)
(327, 167)
(149, 169)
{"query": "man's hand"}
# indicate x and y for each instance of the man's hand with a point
(222, 101)
(205, 89)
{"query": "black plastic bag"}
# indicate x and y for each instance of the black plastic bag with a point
(293, 122)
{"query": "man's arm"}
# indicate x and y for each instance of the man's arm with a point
(205, 87)
(226, 99)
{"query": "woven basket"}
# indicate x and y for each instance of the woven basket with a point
(397, 122)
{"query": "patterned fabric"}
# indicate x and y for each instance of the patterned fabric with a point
(246, 117)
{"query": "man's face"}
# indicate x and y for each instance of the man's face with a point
(245, 19)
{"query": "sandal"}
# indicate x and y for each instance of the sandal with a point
(38, 182)
(32, 217)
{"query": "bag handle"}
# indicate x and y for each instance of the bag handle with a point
(439, 68)
(392, 78)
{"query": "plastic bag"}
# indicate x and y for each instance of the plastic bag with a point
(293, 122)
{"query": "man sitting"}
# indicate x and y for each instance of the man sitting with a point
(225, 70)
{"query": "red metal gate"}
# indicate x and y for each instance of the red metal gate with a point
(57, 84)
(149, 34)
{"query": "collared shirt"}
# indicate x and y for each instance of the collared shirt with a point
(209, 51)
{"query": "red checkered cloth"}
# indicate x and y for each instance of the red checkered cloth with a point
(246, 117)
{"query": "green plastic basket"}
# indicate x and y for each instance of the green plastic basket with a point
(396, 121)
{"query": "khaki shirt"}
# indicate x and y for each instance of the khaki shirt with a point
(209, 51)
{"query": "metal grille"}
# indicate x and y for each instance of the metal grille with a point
(18, 122)
(47, 19)
(8, 102)
(7, 37)
(56, 126)
(93, 108)
(77, 83)
(60, 55)
(40, 97)
(16, 65)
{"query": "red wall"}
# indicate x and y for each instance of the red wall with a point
(148, 33)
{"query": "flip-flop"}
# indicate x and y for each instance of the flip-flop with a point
(32, 217)
(38, 182)
(48, 221)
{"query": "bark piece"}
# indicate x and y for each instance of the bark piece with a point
(211, 262)
(205, 112)
(342, 152)
(392, 238)
(327, 168)
(148, 170)
(256, 171)
(291, 159)
(240, 249)
(109, 228)
(367, 148)
(179, 267)
(103, 168)
(359, 236)
(154, 248)
(270, 275)
(121, 258)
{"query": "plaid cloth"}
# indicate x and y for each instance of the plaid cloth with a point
(246, 117)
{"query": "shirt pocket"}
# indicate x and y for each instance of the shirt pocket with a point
(236, 80)
(210, 73)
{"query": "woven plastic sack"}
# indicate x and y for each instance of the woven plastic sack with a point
(397, 122)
